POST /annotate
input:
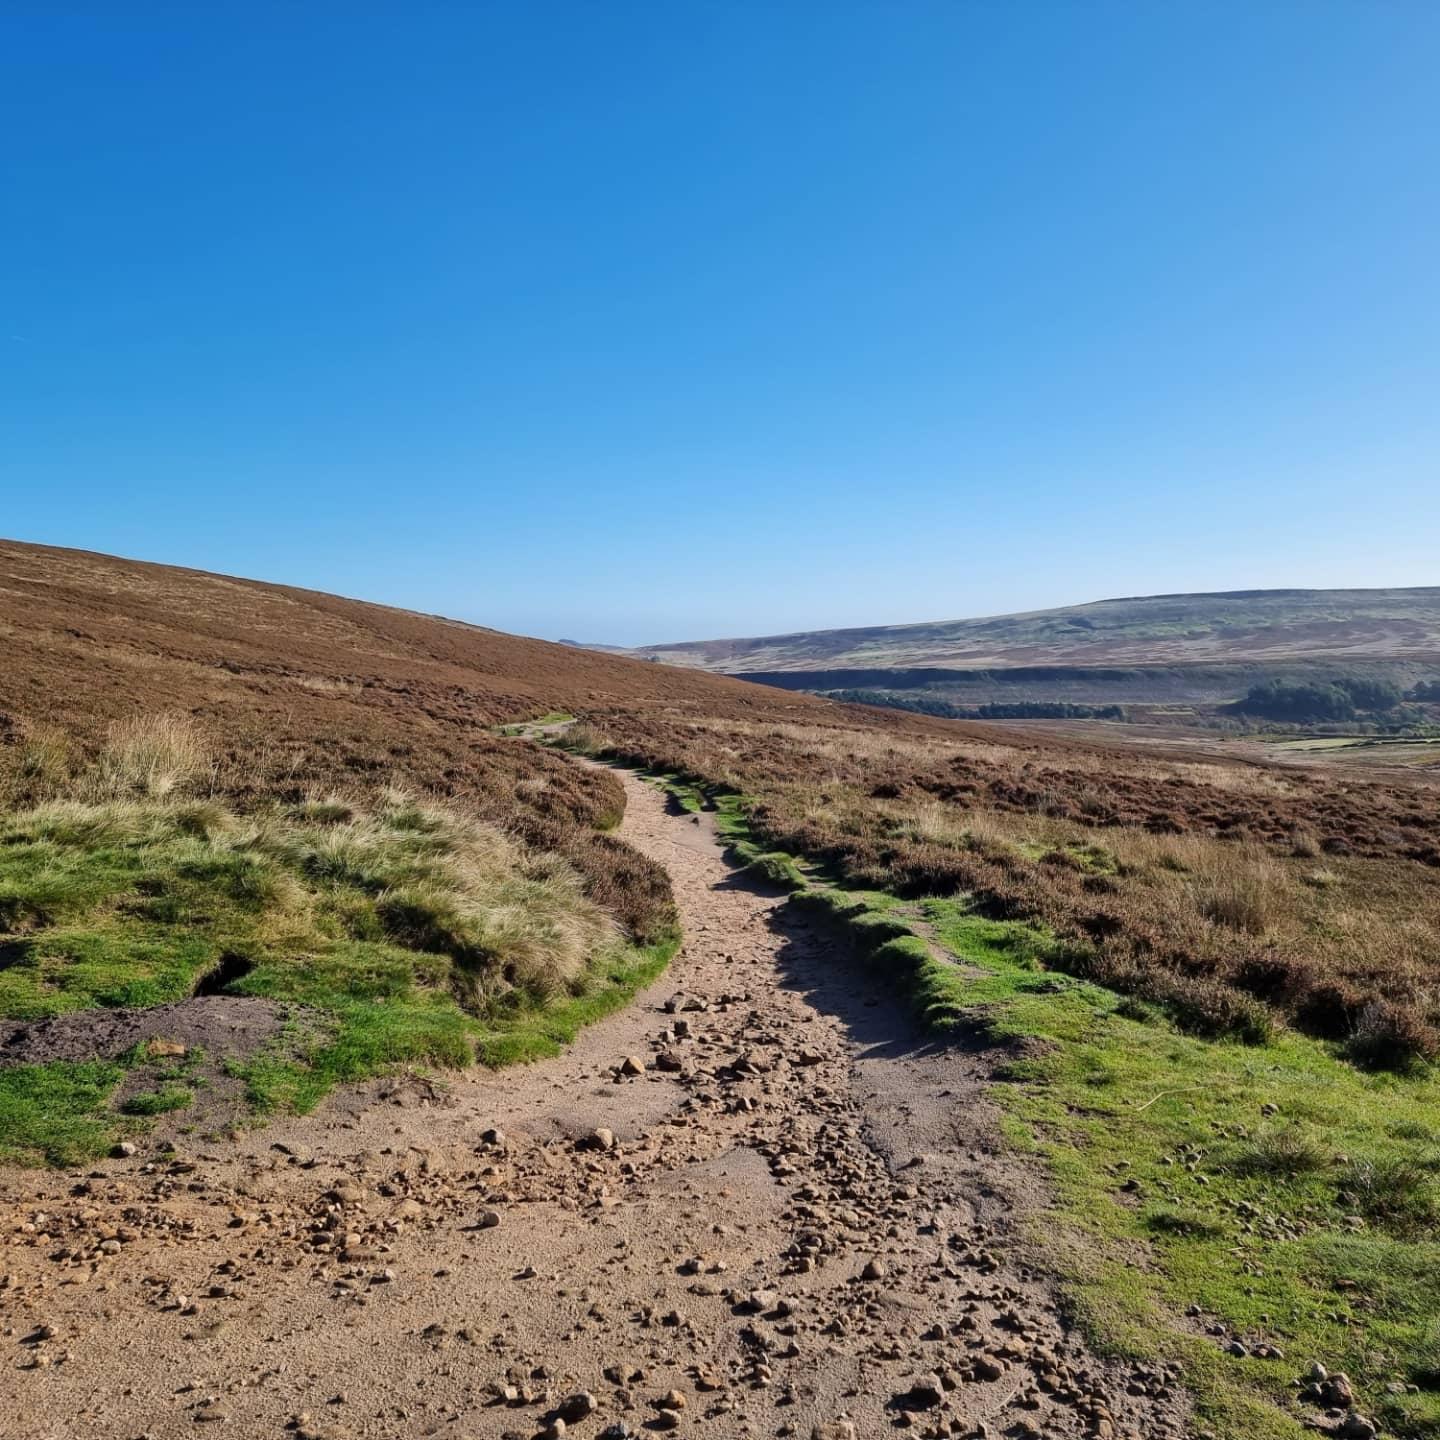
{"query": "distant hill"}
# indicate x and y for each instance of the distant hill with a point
(594, 645)
(1250, 628)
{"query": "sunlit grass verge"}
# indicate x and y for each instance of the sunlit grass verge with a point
(370, 1038)
(58, 1112)
(398, 932)
(1291, 1198)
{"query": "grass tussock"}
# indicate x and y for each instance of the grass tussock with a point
(132, 901)
(1243, 890)
(148, 756)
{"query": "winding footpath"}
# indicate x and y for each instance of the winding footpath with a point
(758, 1202)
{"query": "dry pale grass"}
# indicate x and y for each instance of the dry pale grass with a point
(1242, 888)
(149, 756)
(43, 766)
(446, 880)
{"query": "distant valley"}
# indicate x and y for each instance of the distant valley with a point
(1172, 659)
(1230, 627)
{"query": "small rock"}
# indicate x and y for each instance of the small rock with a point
(874, 1270)
(1357, 1427)
(925, 1394)
(577, 1407)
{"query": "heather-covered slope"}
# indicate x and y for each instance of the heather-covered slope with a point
(91, 637)
(297, 692)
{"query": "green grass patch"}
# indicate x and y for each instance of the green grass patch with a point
(1288, 1195)
(157, 1102)
(689, 795)
(522, 1031)
(56, 1113)
(373, 1036)
(402, 934)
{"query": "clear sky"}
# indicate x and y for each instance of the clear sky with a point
(641, 322)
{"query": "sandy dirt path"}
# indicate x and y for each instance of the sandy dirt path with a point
(793, 1222)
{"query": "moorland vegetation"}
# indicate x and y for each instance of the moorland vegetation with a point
(1240, 896)
(1210, 985)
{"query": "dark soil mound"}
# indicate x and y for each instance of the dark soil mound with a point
(225, 1027)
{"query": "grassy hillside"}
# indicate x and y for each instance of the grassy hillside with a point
(1237, 628)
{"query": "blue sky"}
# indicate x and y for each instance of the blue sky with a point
(640, 322)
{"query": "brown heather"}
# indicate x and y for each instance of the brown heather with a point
(296, 693)
(1190, 883)
(1233, 892)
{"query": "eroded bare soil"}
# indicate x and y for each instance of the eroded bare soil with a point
(792, 1221)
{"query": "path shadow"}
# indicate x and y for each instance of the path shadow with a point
(819, 961)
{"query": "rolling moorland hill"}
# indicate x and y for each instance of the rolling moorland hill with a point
(91, 637)
(1235, 628)
(298, 692)
(259, 844)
